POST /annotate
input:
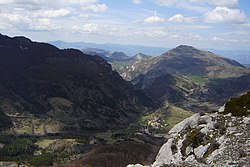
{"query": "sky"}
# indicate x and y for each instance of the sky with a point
(218, 24)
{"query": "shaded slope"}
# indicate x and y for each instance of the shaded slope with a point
(5, 121)
(89, 92)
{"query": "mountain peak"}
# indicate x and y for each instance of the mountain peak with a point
(140, 56)
(185, 48)
(118, 56)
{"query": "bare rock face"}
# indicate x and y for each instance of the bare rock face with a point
(190, 122)
(8, 164)
(207, 140)
(136, 165)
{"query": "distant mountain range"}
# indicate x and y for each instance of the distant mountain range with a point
(129, 50)
(242, 56)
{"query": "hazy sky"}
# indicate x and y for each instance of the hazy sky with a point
(222, 24)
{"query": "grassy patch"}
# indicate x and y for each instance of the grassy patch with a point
(45, 142)
(176, 115)
(24, 130)
(198, 79)
(166, 117)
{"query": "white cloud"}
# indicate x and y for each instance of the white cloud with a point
(194, 7)
(52, 13)
(23, 22)
(89, 27)
(189, 36)
(152, 33)
(30, 15)
(195, 37)
(88, 5)
(227, 3)
(154, 19)
(224, 14)
(43, 25)
(137, 1)
(218, 39)
(85, 16)
(181, 19)
(167, 2)
(247, 24)
(226, 40)
(95, 7)
(94, 28)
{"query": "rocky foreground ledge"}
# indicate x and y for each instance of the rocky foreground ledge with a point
(211, 139)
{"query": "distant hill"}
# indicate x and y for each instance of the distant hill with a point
(129, 50)
(118, 56)
(139, 57)
(242, 56)
(76, 90)
(186, 73)
(95, 51)
(98, 52)
(115, 58)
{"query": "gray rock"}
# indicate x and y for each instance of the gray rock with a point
(230, 124)
(246, 120)
(201, 150)
(8, 164)
(231, 130)
(222, 108)
(189, 150)
(191, 122)
(210, 125)
(165, 154)
(136, 165)
(205, 130)
(206, 118)
(190, 158)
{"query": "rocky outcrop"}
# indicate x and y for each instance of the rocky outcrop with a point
(207, 140)
(8, 164)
